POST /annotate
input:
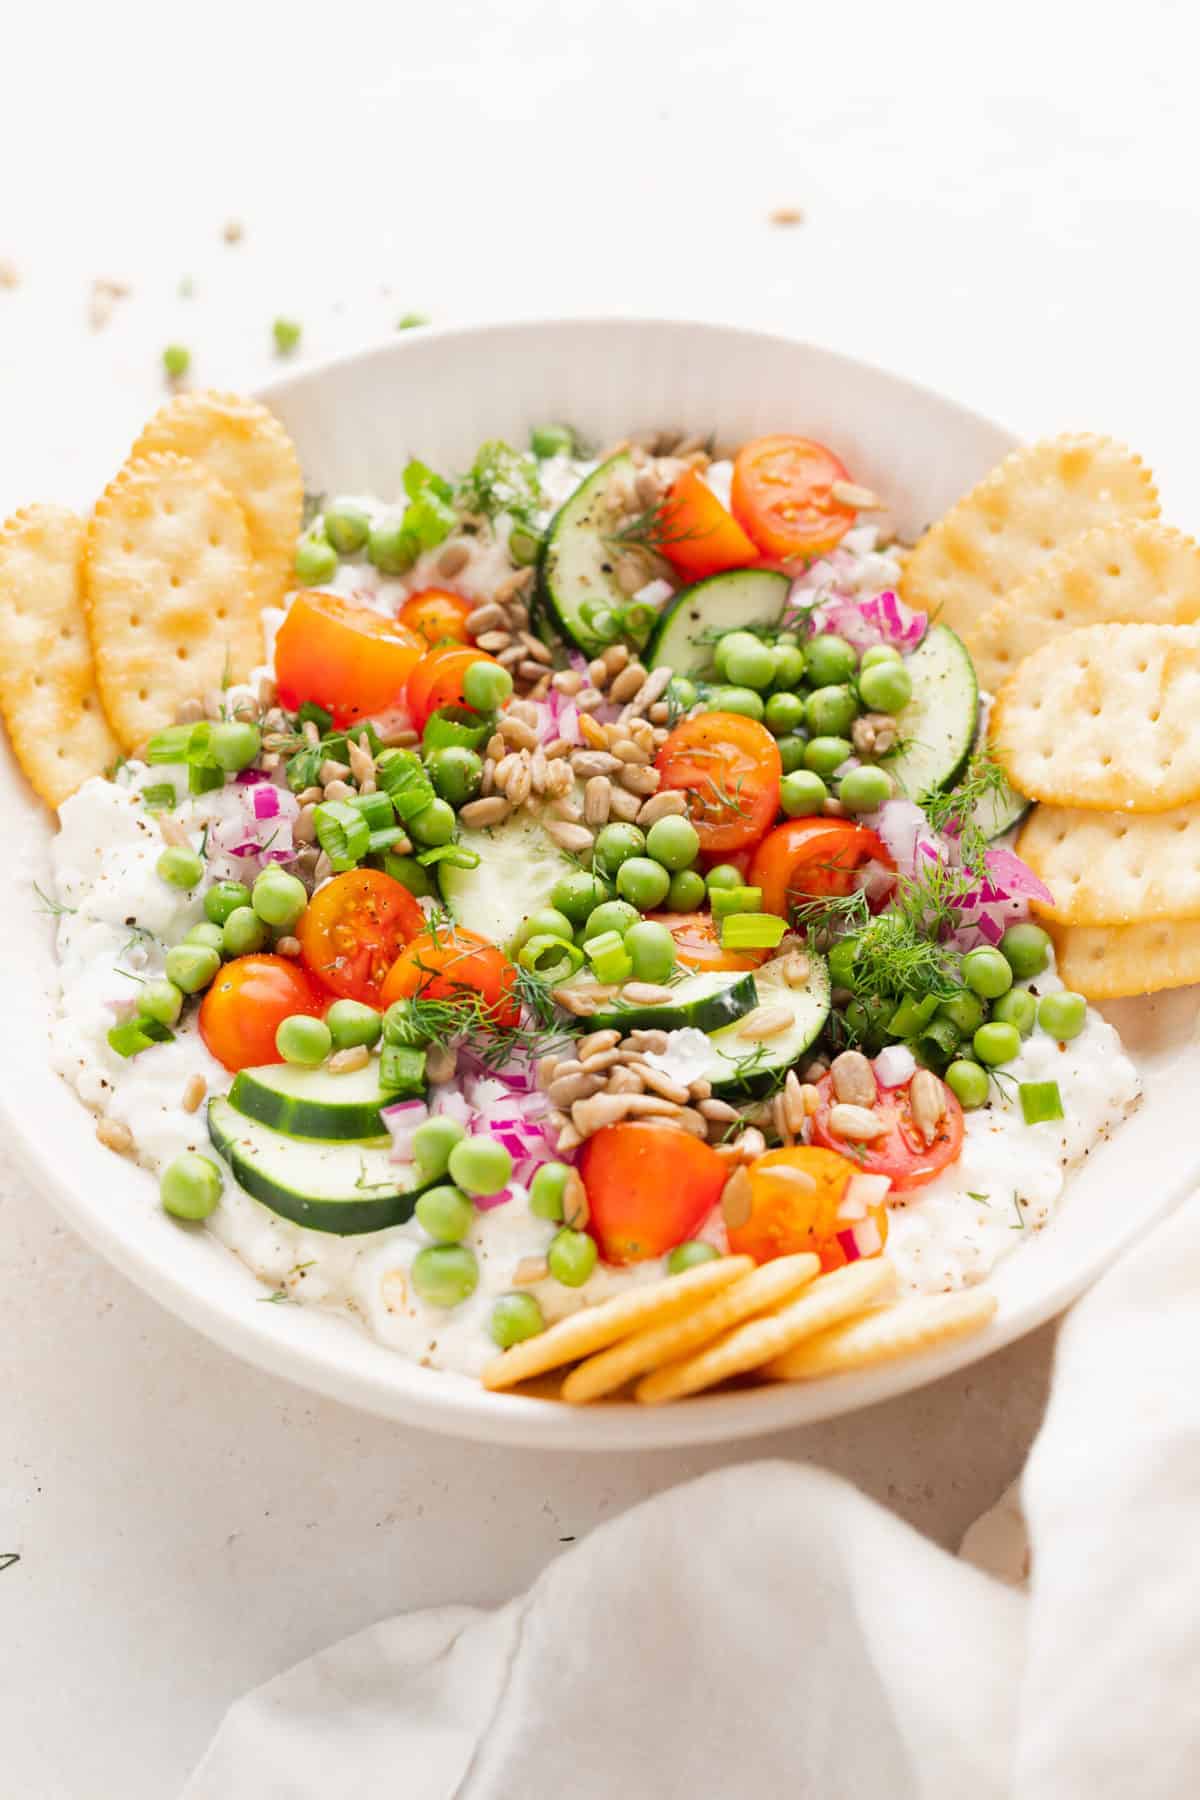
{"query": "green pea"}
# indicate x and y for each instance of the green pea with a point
(673, 841)
(547, 1188)
(690, 1256)
(885, 687)
(615, 845)
(515, 1317)
(830, 659)
(830, 711)
(791, 753)
(724, 875)
(643, 883)
(789, 640)
(653, 951)
(223, 898)
(964, 1010)
(433, 1141)
(456, 773)
(879, 653)
(1026, 948)
(994, 1044)
(686, 892)
(179, 866)
(986, 973)
(286, 333)
(243, 932)
(611, 915)
(351, 1023)
(571, 1257)
(480, 1165)
(546, 922)
(390, 548)
(784, 714)
(681, 694)
(445, 1213)
(802, 793)
(162, 1001)
(789, 664)
(190, 1186)
(486, 686)
(315, 561)
(279, 898)
(728, 644)
(862, 790)
(444, 1274)
(1062, 1014)
(748, 662)
(177, 360)
(303, 1040)
(578, 894)
(968, 1083)
(206, 933)
(823, 755)
(741, 700)
(841, 962)
(434, 824)
(551, 440)
(191, 966)
(234, 744)
(1018, 1007)
(347, 527)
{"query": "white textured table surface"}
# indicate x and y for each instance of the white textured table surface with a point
(1013, 222)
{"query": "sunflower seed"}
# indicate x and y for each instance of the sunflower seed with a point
(765, 1022)
(587, 763)
(625, 806)
(661, 1084)
(737, 1200)
(345, 1062)
(558, 778)
(516, 732)
(114, 1136)
(194, 1090)
(597, 796)
(530, 1269)
(647, 1038)
(625, 1080)
(492, 811)
(849, 493)
(453, 559)
(615, 658)
(627, 683)
(927, 1097)
(290, 946)
(565, 1090)
(441, 1064)
(638, 781)
(719, 1111)
(669, 803)
(793, 1102)
(795, 969)
(567, 681)
(853, 1078)
(857, 1123)
(575, 1209)
(575, 838)
(588, 699)
(339, 790)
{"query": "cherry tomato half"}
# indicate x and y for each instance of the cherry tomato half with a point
(698, 943)
(647, 1190)
(787, 1217)
(248, 1001)
(729, 768)
(451, 963)
(350, 660)
(902, 1154)
(354, 928)
(811, 859)
(782, 496)
(437, 680)
(436, 616)
(699, 535)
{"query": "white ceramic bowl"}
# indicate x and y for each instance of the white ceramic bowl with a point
(437, 394)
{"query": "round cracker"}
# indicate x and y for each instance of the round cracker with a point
(243, 444)
(1115, 962)
(883, 1336)
(1114, 868)
(169, 588)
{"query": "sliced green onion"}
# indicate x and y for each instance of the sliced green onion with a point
(601, 621)
(637, 620)
(911, 1016)
(936, 1044)
(376, 809)
(382, 840)
(402, 1070)
(752, 931)
(603, 942)
(172, 745)
(551, 958)
(311, 713)
(160, 796)
(1040, 1101)
(457, 727)
(735, 900)
(132, 1035)
(402, 777)
(456, 855)
(610, 960)
(342, 833)
(524, 545)
(304, 768)
(202, 777)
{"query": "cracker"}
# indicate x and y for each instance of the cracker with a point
(1110, 962)
(595, 1327)
(1115, 868)
(888, 1333)
(1122, 574)
(48, 693)
(758, 1292)
(244, 445)
(1031, 504)
(763, 1341)
(169, 586)
(1105, 717)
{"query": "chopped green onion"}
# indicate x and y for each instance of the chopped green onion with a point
(935, 1046)
(551, 958)
(609, 958)
(911, 1016)
(409, 321)
(402, 777)
(384, 839)
(202, 777)
(132, 1035)
(1040, 1101)
(601, 943)
(457, 727)
(524, 545)
(311, 712)
(752, 931)
(160, 796)
(457, 856)
(342, 833)
(376, 809)
(735, 900)
(402, 1070)
(180, 743)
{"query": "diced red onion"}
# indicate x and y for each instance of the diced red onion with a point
(865, 1191)
(906, 832)
(1014, 879)
(401, 1120)
(265, 800)
(486, 1202)
(878, 619)
(895, 1065)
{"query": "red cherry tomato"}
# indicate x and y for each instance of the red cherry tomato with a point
(699, 535)
(786, 1217)
(436, 616)
(450, 964)
(811, 859)
(729, 768)
(647, 1190)
(354, 928)
(698, 943)
(246, 1004)
(350, 660)
(437, 680)
(782, 496)
(902, 1154)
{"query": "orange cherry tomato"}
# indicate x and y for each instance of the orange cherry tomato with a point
(437, 616)
(699, 535)
(354, 928)
(246, 1004)
(344, 657)
(782, 496)
(729, 768)
(811, 859)
(451, 963)
(437, 680)
(902, 1153)
(647, 1190)
(698, 943)
(787, 1217)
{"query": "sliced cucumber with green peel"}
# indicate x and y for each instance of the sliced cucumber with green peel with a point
(687, 631)
(938, 726)
(518, 867)
(999, 811)
(742, 1066)
(344, 1188)
(707, 1001)
(312, 1103)
(577, 580)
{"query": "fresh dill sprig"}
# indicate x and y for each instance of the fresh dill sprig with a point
(55, 908)
(650, 530)
(832, 916)
(955, 814)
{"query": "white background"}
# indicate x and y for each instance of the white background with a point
(999, 201)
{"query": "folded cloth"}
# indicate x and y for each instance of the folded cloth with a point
(766, 1630)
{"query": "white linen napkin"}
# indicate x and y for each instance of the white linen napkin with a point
(766, 1630)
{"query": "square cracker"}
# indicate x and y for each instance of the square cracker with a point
(48, 693)
(1115, 868)
(1122, 574)
(1031, 504)
(909, 1328)
(1111, 962)
(1105, 717)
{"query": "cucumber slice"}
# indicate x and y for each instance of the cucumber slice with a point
(938, 726)
(576, 566)
(518, 867)
(706, 1001)
(312, 1103)
(740, 1067)
(999, 812)
(345, 1189)
(685, 633)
